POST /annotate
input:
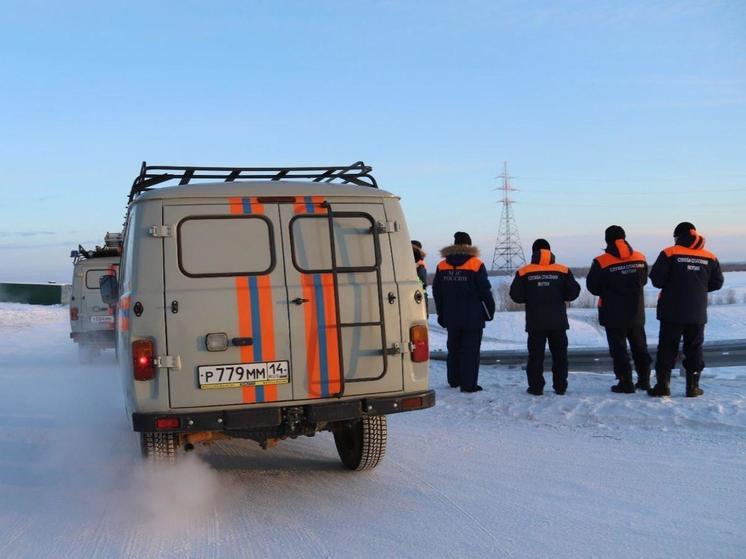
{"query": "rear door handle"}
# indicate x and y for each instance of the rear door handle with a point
(299, 301)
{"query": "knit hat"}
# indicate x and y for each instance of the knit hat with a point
(613, 233)
(683, 229)
(418, 244)
(461, 238)
(540, 244)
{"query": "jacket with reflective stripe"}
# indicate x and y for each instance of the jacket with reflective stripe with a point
(462, 290)
(617, 277)
(685, 273)
(544, 287)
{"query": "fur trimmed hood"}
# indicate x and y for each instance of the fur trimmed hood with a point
(459, 250)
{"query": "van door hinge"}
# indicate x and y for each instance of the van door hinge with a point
(387, 227)
(395, 349)
(168, 362)
(161, 230)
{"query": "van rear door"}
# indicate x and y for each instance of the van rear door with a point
(344, 311)
(97, 314)
(224, 275)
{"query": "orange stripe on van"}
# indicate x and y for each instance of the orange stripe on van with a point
(313, 371)
(266, 310)
(235, 205)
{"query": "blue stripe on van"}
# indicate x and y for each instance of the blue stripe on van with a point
(321, 325)
(256, 317)
(309, 204)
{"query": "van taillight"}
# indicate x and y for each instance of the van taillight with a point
(143, 359)
(420, 347)
(167, 423)
(73, 313)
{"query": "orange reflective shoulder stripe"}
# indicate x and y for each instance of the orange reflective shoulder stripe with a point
(532, 268)
(683, 251)
(473, 265)
(605, 260)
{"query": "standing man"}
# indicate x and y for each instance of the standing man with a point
(617, 278)
(463, 301)
(545, 287)
(419, 262)
(685, 273)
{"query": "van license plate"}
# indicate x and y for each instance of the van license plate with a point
(244, 374)
(102, 319)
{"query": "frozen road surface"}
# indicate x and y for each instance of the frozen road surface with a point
(494, 474)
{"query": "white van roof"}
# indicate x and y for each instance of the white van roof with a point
(261, 188)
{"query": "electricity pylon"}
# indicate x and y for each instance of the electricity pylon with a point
(508, 255)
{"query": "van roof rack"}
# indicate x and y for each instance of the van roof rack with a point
(150, 175)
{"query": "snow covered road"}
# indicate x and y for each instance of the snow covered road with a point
(494, 474)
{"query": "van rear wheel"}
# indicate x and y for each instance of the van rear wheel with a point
(361, 444)
(159, 447)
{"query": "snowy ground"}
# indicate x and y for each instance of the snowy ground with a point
(494, 474)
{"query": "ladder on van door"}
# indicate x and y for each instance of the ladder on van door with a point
(376, 228)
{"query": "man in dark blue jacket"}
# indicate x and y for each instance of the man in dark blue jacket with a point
(685, 273)
(545, 287)
(463, 301)
(618, 277)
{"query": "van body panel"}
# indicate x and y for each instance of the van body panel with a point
(225, 275)
(411, 311)
(141, 281)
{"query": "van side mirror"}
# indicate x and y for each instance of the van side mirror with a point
(109, 287)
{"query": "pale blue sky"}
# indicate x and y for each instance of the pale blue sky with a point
(607, 112)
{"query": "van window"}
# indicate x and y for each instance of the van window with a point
(92, 277)
(353, 241)
(213, 246)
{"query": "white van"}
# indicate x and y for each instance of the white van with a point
(92, 320)
(268, 303)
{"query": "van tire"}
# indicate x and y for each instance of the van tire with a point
(361, 444)
(159, 447)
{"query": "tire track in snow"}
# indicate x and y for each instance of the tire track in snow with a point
(448, 500)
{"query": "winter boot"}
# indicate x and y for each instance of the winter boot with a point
(535, 391)
(643, 381)
(692, 384)
(662, 385)
(624, 386)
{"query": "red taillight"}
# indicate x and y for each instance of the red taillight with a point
(167, 423)
(73, 313)
(412, 403)
(420, 347)
(142, 359)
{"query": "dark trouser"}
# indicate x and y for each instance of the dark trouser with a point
(668, 349)
(537, 340)
(463, 357)
(638, 343)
